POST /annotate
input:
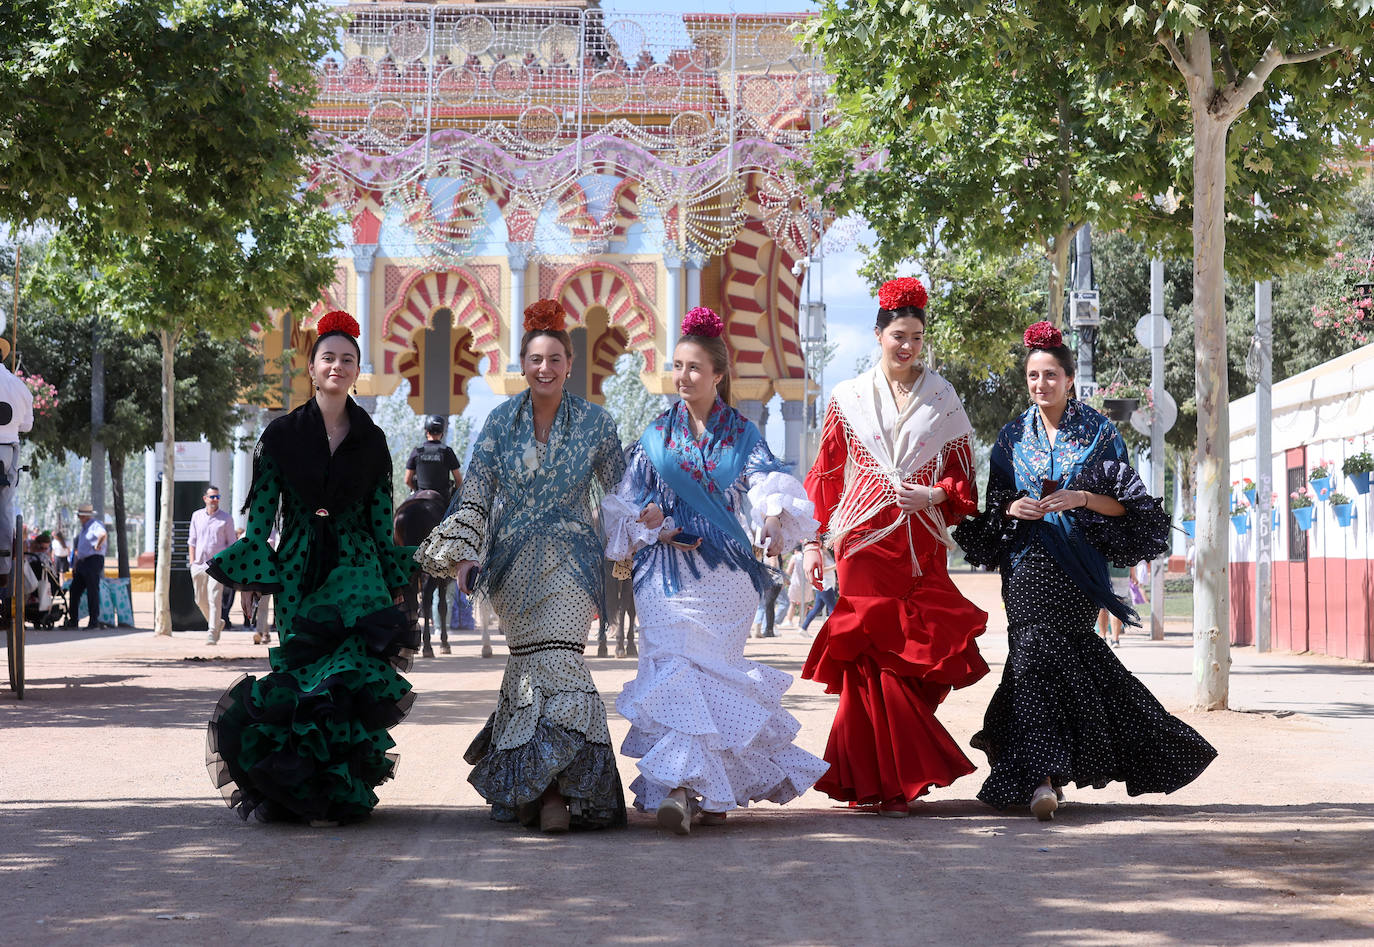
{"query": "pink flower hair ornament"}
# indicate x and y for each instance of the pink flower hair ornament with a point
(1043, 335)
(702, 321)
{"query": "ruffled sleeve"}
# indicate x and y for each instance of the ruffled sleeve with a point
(251, 564)
(1141, 534)
(989, 536)
(960, 491)
(397, 562)
(825, 479)
(777, 493)
(463, 532)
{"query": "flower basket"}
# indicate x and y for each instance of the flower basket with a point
(1241, 521)
(1302, 515)
(1250, 495)
(1345, 512)
(1322, 487)
(1190, 527)
(1360, 480)
(1119, 409)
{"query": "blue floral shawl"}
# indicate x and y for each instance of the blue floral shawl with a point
(1024, 455)
(700, 483)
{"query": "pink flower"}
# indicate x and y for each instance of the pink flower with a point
(702, 321)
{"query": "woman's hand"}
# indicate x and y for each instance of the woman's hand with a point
(464, 570)
(651, 516)
(772, 535)
(1061, 501)
(1024, 508)
(813, 566)
(916, 498)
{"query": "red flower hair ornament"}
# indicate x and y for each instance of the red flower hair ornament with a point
(1043, 335)
(545, 316)
(902, 293)
(338, 321)
(702, 321)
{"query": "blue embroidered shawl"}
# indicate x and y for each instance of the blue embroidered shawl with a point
(1085, 440)
(703, 478)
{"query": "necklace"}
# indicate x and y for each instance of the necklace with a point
(543, 436)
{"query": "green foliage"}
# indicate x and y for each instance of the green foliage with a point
(1363, 462)
(631, 404)
(134, 116)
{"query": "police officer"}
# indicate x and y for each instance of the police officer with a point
(433, 465)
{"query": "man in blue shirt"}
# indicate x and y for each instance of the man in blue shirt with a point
(88, 568)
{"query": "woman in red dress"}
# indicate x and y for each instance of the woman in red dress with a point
(894, 472)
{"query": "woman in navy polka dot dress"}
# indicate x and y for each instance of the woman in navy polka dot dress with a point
(1061, 501)
(309, 741)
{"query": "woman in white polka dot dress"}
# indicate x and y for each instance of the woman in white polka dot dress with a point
(545, 755)
(707, 725)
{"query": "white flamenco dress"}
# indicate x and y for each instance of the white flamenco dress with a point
(702, 716)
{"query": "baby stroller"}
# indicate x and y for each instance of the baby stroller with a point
(44, 606)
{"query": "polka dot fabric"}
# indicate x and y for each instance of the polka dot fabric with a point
(309, 741)
(1066, 709)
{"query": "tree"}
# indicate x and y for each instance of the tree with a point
(176, 283)
(982, 140)
(1288, 78)
(57, 344)
(628, 401)
(134, 115)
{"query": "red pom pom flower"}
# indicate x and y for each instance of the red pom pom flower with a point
(547, 315)
(702, 321)
(338, 321)
(1043, 335)
(902, 293)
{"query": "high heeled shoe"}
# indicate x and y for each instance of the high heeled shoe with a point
(1043, 803)
(674, 816)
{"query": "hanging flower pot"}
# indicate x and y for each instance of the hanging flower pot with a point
(1250, 495)
(1345, 512)
(1190, 527)
(1119, 409)
(1321, 486)
(1241, 522)
(1361, 482)
(1303, 516)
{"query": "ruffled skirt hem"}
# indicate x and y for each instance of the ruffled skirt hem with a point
(1068, 711)
(513, 780)
(309, 741)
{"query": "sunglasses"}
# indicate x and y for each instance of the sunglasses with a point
(212, 496)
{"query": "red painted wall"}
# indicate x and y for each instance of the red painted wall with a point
(1321, 605)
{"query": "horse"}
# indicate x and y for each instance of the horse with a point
(415, 518)
(620, 612)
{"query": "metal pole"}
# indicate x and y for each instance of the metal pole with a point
(1157, 437)
(1264, 462)
(14, 322)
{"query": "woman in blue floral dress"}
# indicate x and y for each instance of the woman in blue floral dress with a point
(525, 515)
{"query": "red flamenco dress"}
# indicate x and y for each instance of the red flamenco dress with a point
(901, 636)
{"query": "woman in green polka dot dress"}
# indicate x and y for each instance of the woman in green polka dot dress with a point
(525, 513)
(309, 742)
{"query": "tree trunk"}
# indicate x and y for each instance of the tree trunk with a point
(121, 522)
(1058, 255)
(162, 585)
(1211, 586)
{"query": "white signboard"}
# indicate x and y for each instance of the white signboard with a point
(192, 460)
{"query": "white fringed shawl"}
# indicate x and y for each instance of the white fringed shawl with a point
(932, 424)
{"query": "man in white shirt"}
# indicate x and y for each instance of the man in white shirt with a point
(212, 531)
(88, 568)
(16, 417)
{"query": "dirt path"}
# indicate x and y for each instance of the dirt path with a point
(110, 832)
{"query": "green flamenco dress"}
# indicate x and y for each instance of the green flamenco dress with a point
(309, 741)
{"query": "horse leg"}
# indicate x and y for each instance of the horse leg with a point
(415, 595)
(442, 589)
